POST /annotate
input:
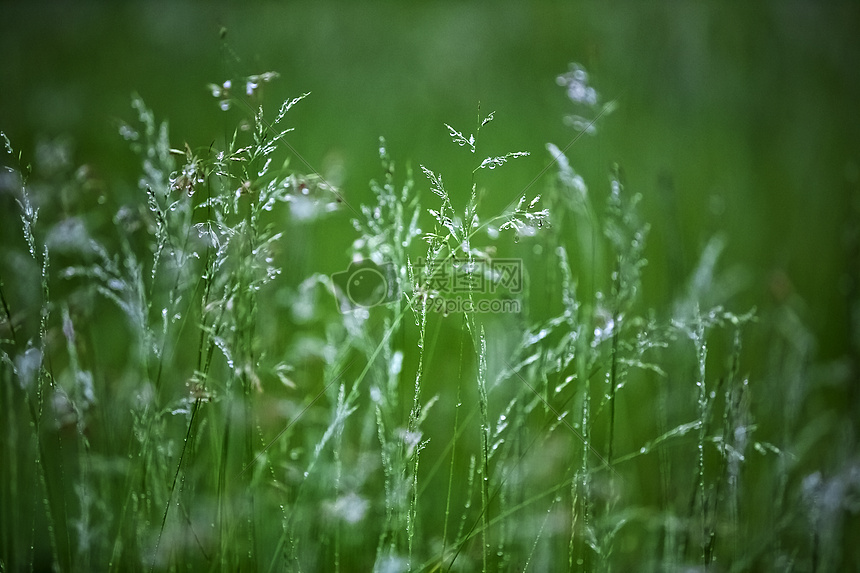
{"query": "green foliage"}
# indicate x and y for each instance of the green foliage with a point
(174, 398)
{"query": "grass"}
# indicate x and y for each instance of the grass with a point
(176, 397)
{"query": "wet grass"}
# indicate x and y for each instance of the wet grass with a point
(178, 396)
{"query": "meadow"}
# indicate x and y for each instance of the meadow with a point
(340, 288)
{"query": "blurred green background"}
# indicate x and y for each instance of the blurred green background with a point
(736, 122)
(739, 120)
